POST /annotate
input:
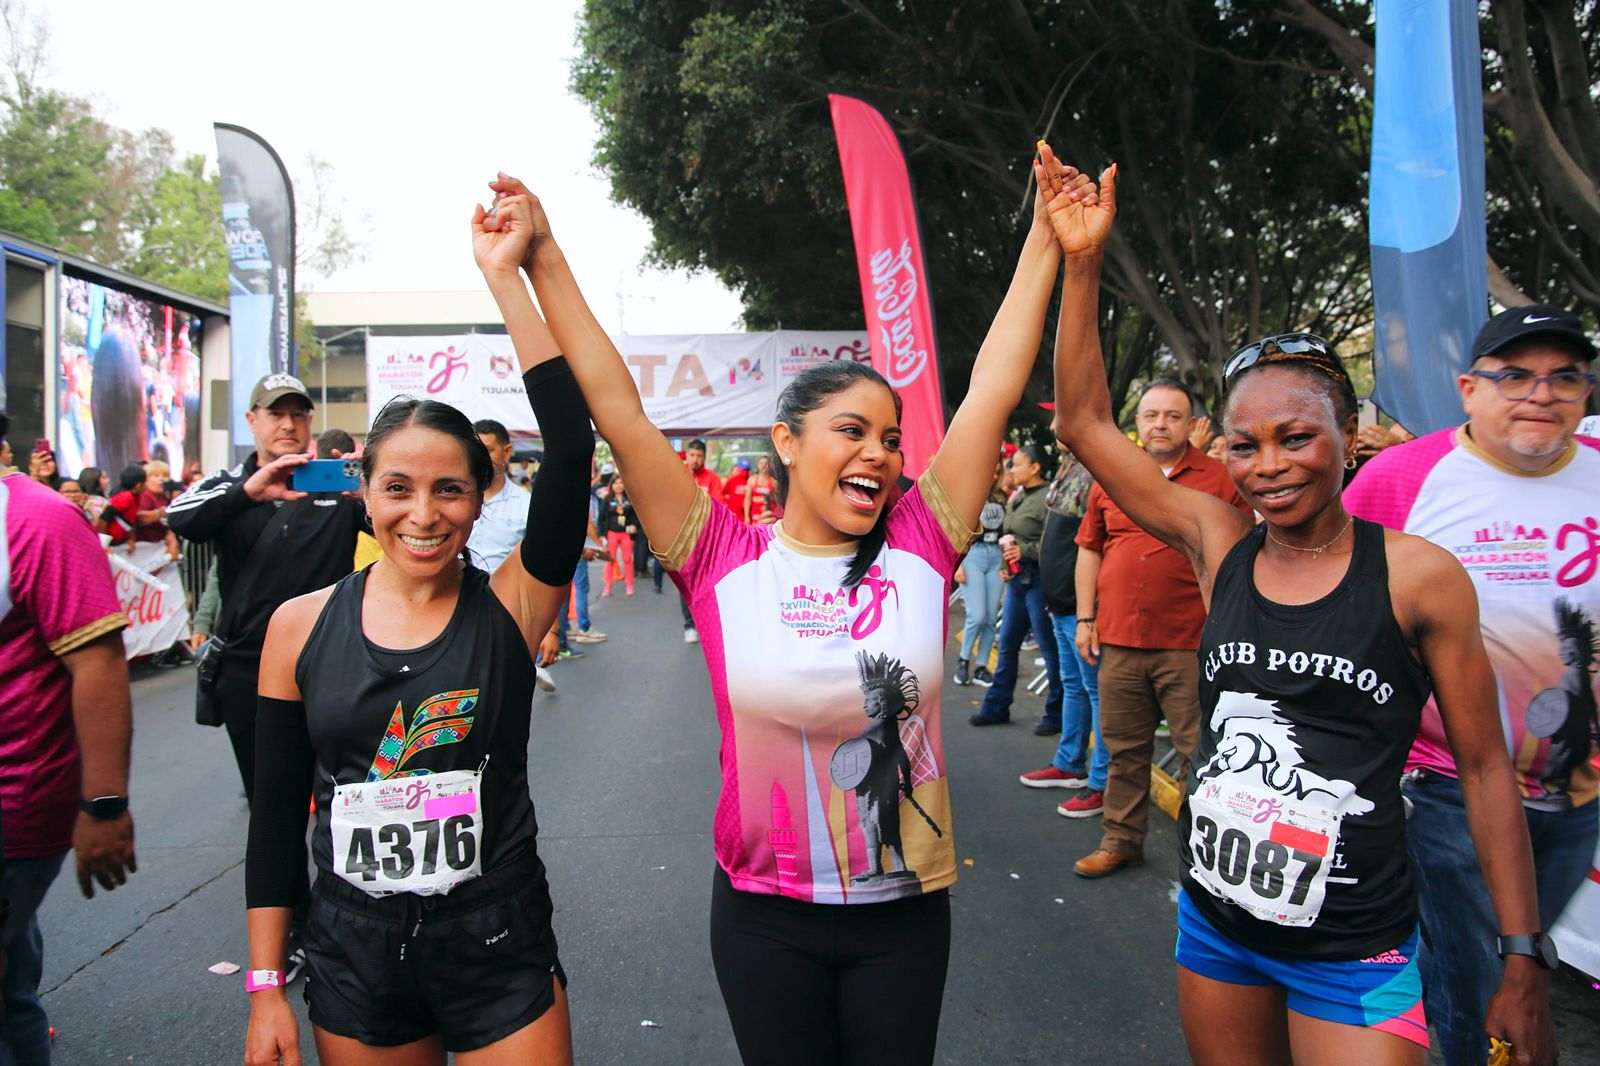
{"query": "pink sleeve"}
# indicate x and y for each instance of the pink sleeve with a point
(59, 573)
(1387, 486)
(724, 543)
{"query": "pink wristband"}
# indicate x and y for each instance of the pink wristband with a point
(260, 980)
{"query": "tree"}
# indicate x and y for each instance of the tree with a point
(1231, 227)
(1542, 137)
(180, 232)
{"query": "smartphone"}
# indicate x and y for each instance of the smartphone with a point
(1368, 412)
(328, 475)
(41, 446)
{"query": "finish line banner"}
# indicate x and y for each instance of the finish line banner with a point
(695, 384)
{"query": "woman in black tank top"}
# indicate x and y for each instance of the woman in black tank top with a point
(403, 694)
(1322, 635)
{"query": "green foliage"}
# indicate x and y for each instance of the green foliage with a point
(178, 222)
(1242, 158)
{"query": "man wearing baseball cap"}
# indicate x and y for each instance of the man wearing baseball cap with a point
(1515, 495)
(272, 543)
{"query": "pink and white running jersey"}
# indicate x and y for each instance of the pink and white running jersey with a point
(828, 699)
(1531, 543)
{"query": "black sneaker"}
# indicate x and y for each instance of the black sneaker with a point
(963, 675)
(982, 676)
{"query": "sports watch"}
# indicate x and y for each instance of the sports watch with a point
(1537, 945)
(104, 808)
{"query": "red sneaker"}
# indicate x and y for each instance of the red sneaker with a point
(1050, 777)
(1086, 804)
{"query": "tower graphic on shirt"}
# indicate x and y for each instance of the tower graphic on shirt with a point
(1565, 712)
(440, 719)
(783, 839)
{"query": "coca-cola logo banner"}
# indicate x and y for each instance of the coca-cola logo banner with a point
(894, 290)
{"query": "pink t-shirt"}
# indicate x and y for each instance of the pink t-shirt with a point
(56, 595)
(1531, 544)
(828, 699)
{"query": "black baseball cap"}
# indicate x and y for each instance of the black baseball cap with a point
(1534, 320)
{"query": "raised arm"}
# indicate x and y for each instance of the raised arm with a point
(965, 461)
(1201, 526)
(663, 489)
(532, 582)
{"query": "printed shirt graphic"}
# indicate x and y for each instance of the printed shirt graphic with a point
(1531, 544)
(828, 700)
(1265, 828)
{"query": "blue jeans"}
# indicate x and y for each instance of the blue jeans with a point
(580, 586)
(1460, 967)
(1080, 708)
(25, 1031)
(1024, 604)
(981, 597)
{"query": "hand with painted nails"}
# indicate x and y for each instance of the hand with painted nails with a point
(1080, 214)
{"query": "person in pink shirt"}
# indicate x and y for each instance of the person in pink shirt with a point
(830, 917)
(65, 730)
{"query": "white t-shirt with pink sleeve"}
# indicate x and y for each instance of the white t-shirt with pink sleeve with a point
(834, 787)
(1531, 544)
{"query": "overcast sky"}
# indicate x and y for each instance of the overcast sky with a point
(415, 105)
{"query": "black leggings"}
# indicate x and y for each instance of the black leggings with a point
(815, 984)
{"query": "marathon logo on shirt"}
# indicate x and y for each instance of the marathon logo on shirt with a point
(1517, 552)
(815, 612)
(1334, 667)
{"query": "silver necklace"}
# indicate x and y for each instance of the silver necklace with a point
(1320, 548)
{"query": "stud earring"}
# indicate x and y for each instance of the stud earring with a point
(787, 460)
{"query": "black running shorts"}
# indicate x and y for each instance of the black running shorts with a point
(474, 966)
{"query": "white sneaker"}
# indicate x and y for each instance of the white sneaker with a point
(690, 636)
(588, 636)
(542, 678)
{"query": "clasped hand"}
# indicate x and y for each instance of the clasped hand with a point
(1080, 213)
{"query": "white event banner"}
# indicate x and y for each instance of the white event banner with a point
(151, 593)
(702, 383)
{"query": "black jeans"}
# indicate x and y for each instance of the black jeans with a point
(814, 984)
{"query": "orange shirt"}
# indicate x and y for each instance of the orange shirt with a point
(1148, 596)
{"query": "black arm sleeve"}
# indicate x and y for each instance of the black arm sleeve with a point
(275, 857)
(558, 507)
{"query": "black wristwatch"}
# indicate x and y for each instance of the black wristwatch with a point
(1537, 945)
(104, 808)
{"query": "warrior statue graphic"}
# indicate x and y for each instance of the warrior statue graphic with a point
(1566, 712)
(876, 767)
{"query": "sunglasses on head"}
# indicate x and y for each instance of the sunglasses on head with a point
(1307, 348)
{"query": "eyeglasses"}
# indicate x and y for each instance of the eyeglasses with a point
(1514, 383)
(1307, 348)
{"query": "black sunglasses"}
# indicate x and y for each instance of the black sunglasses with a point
(1287, 347)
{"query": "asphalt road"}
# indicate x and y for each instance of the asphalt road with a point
(1045, 967)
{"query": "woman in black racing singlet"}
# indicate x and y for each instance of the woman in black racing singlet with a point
(1298, 917)
(404, 693)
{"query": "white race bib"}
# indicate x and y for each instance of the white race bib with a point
(409, 834)
(1262, 850)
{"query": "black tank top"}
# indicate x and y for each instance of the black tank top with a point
(1292, 835)
(375, 713)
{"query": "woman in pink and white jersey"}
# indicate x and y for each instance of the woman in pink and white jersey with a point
(834, 781)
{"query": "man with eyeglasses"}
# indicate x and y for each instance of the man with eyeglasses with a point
(1515, 494)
